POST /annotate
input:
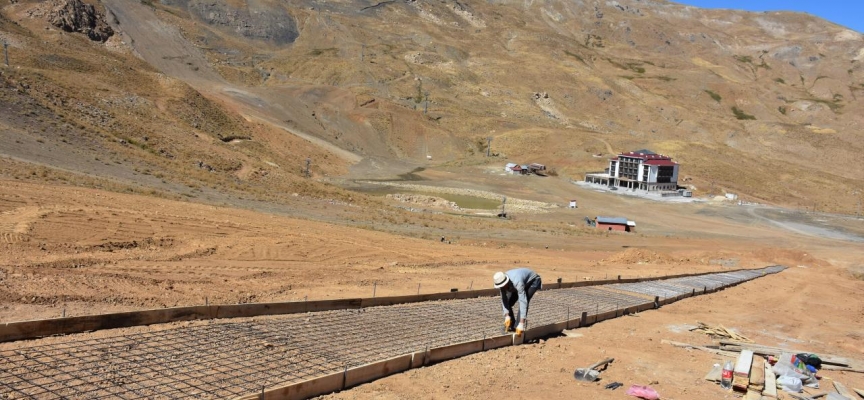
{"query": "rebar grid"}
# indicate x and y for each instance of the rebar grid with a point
(663, 290)
(229, 359)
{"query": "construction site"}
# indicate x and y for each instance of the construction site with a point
(234, 199)
(330, 346)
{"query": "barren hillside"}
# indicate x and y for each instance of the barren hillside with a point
(201, 94)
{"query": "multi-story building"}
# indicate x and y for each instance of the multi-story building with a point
(641, 169)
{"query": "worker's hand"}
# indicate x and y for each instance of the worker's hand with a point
(507, 323)
(520, 328)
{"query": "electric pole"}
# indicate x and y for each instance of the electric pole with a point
(308, 161)
(489, 147)
(6, 52)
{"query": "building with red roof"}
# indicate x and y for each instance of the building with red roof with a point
(641, 169)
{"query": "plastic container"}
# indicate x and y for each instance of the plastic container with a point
(726, 378)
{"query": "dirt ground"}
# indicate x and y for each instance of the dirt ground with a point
(246, 229)
(84, 251)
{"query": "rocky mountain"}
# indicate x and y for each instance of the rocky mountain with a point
(765, 105)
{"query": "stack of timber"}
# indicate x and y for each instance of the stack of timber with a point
(754, 376)
(829, 361)
(741, 373)
(719, 332)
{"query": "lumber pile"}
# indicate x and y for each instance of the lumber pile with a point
(753, 374)
(719, 332)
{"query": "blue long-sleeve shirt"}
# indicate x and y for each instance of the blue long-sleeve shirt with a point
(521, 279)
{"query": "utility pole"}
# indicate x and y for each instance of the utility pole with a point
(308, 161)
(489, 146)
(426, 106)
(503, 204)
(6, 52)
(362, 51)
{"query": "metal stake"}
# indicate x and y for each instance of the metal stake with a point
(374, 289)
(418, 289)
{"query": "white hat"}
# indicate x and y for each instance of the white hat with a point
(500, 279)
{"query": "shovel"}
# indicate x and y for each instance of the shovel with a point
(590, 374)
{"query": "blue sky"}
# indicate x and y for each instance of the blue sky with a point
(849, 13)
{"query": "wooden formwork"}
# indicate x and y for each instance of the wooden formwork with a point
(40, 328)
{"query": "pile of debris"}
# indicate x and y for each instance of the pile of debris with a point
(719, 332)
(767, 373)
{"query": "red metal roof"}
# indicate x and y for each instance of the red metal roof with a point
(662, 163)
(645, 156)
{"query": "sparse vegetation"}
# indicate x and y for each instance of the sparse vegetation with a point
(632, 66)
(576, 56)
(782, 110)
(744, 59)
(739, 114)
(714, 95)
(318, 52)
(592, 40)
(780, 81)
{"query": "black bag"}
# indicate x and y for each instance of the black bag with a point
(810, 359)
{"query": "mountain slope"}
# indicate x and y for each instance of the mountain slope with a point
(752, 103)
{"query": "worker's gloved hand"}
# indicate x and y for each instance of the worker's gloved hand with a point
(520, 328)
(507, 323)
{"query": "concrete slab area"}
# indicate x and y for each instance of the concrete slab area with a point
(224, 358)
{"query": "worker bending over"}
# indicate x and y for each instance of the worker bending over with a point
(517, 284)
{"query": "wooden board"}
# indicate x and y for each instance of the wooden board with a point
(370, 372)
(742, 366)
(846, 369)
(703, 348)
(753, 395)
(757, 374)
(860, 392)
(830, 359)
(843, 391)
(740, 383)
(716, 373)
(770, 382)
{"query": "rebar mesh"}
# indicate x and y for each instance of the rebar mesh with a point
(223, 359)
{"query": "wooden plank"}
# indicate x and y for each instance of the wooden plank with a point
(497, 342)
(703, 348)
(740, 383)
(753, 395)
(843, 391)
(34, 329)
(455, 350)
(716, 373)
(846, 369)
(545, 330)
(370, 372)
(301, 390)
(757, 374)
(770, 382)
(775, 351)
(860, 392)
(742, 366)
